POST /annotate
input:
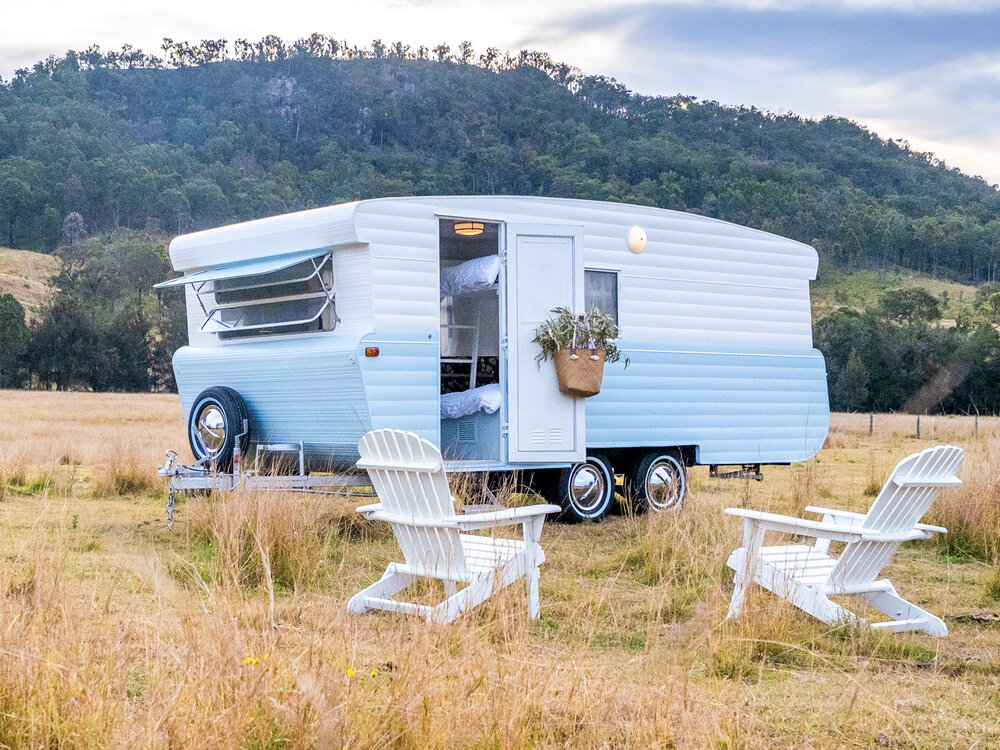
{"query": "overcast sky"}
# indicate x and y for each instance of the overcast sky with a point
(926, 71)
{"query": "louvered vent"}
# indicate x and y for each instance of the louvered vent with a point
(467, 431)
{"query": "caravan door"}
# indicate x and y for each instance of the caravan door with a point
(544, 270)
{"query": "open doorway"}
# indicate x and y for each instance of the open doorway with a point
(471, 392)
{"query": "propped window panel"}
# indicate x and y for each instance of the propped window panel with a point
(295, 299)
(302, 278)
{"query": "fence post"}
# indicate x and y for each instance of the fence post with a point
(977, 426)
(871, 423)
(918, 427)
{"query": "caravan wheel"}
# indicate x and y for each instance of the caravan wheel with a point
(585, 490)
(659, 481)
(215, 420)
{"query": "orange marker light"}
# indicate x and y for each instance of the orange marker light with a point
(371, 351)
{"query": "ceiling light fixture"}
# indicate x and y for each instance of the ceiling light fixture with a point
(468, 228)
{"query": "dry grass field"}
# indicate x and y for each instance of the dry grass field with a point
(231, 631)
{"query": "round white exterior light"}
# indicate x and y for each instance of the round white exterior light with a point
(637, 239)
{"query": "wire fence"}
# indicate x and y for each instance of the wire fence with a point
(934, 428)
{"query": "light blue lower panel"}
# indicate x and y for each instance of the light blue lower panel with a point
(402, 384)
(736, 405)
(302, 388)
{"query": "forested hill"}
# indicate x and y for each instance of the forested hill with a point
(208, 136)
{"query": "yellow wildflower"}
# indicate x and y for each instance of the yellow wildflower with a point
(375, 673)
(350, 673)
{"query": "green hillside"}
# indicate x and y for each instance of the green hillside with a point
(219, 133)
(861, 290)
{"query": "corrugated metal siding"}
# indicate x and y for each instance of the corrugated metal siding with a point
(263, 238)
(403, 237)
(352, 284)
(739, 405)
(668, 310)
(402, 385)
(715, 318)
(196, 319)
(305, 387)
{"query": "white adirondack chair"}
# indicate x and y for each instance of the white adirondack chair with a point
(807, 575)
(408, 476)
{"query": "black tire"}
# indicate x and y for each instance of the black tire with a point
(658, 481)
(216, 418)
(585, 491)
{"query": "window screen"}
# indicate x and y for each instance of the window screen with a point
(601, 291)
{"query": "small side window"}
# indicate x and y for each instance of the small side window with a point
(600, 290)
(297, 299)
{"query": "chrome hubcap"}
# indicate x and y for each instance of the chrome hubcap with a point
(664, 484)
(211, 429)
(587, 488)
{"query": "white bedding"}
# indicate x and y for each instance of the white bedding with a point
(471, 276)
(485, 398)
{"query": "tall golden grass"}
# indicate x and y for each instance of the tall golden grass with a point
(231, 632)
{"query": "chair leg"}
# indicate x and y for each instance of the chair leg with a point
(475, 593)
(531, 579)
(890, 603)
(532, 532)
(390, 584)
(744, 563)
(809, 599)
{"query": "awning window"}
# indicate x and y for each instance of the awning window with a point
(293, 294)
(242, 269)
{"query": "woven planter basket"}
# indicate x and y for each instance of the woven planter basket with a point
(580, 371)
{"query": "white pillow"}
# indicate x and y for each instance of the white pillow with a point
(485, 398)
(470, 276)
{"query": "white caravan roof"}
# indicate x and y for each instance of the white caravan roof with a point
(355, 222)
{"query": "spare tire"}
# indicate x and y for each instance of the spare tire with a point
(215, 421)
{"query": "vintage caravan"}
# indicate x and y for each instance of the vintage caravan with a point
(419, 313)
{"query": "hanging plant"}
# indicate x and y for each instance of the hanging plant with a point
(579, 345)
(593, 330)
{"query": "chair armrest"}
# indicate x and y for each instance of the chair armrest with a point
(375, 465)
(375, 513)
(805, 527)
(506, 517)
(858, 517)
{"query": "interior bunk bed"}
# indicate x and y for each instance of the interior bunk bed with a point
(471, 395)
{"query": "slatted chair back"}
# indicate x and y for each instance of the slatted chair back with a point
(908, 494)
(408, 476)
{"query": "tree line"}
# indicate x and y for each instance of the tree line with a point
(899, 355)
(105, 328)
(104, 155)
